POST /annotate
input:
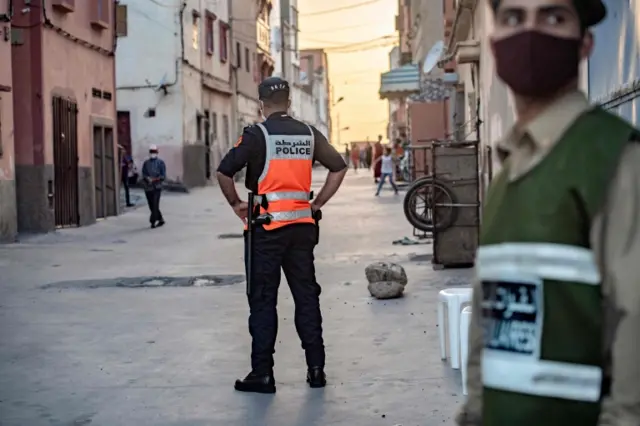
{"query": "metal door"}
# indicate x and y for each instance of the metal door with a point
(104, 172)
(65, 162)
(207, 143)
(455, 164)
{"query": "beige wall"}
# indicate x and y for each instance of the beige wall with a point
(428, 18)
(7, 170)
(245, 34)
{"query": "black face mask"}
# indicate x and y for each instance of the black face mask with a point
(536, 64)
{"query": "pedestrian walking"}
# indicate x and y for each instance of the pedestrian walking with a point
(555, 311)
(386, 170)
(127, 172)
(279, 154)
(368, 155)
(363, 158)
(355, 156)
(347, 154)
(154, 173)
(378, 150)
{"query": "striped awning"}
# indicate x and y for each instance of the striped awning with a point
(400, 82)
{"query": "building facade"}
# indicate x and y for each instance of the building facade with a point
(8, 210)
(266, 61)
(420, 97)
(178, 94)
(315, 83)
(613, 74)
(286, 49)
(244, 69)
(397, 124)
(64, 113)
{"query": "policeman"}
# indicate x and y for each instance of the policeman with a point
(279, 154)
(556, 310)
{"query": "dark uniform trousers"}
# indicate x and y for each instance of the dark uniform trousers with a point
(289, 248)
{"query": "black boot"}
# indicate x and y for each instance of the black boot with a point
(316, 377)
(258, 383)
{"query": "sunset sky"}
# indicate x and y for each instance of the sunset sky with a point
(356, 76)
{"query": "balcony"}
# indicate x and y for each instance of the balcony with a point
(263, 36)
(64, 6)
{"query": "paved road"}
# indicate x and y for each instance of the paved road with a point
(79, 346)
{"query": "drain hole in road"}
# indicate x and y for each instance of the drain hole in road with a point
(228, 236)
(151, 282)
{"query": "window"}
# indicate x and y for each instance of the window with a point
(294, 29)
(64, 6)
(296, 74)
(238, 55)
(224, 42)
(121, 20)
(225, 129)
(195, 35)
(100, 14)
(198, 127)
(247, 59)
(209, 36)
(256, 69)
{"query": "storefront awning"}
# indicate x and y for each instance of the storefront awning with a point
(400, 82)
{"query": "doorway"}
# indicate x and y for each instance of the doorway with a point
(124, 130)
(65, 162)
(207, 143)
(104, 172)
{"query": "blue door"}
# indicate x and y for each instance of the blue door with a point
(614, 67)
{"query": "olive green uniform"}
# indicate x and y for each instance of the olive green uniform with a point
(558, 294)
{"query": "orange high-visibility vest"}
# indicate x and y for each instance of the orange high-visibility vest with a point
(285, 181)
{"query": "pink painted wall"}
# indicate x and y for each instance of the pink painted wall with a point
(27, 107)
(7, 170)
(73, 70)
(48, 63)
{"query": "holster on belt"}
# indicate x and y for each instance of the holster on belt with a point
(253, 219)
(317, 216)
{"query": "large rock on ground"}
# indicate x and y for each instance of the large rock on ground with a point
(386, 289)
(386, 280)
(386, 271)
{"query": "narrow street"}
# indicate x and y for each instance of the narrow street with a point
(107, 325)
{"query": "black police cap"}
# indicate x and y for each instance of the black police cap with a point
(591, 12)
(272, 85)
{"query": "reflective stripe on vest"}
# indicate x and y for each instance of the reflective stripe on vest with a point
(548, 261)
(542, 378)
(285, 181)
(511, 356)
(291, 195)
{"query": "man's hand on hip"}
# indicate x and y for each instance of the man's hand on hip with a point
(241, 209)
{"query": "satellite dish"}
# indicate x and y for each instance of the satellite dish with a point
(432, 58)
(163, 82)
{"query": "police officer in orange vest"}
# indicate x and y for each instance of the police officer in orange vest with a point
(279, 154)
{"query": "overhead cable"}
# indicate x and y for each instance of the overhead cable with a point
(340, 9)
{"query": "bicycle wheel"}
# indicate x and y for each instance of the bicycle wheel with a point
(419, 201)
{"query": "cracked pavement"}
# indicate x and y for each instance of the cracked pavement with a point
(78, 349)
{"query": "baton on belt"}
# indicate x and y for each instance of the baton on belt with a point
(317, 216)
(252, 222)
